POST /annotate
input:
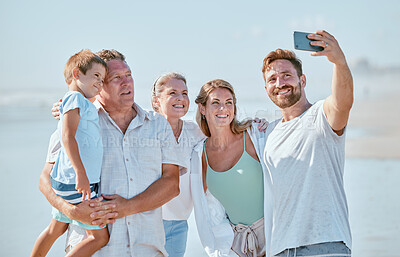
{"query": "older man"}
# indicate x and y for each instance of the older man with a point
(139, 169)
(305, 154)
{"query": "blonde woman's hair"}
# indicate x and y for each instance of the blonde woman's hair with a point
(202, 98)
(161, 81)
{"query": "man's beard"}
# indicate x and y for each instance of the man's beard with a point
(288, 101)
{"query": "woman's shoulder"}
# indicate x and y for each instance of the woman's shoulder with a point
(192, 130)
(190, 124)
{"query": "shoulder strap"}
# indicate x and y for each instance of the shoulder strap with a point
(205, 152)
(244, 140)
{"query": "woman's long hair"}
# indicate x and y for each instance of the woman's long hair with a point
(236, 126)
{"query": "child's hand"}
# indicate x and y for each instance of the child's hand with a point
(83, 186)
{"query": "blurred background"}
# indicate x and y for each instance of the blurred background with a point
(203, 40)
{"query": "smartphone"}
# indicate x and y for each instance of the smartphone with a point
(301, 42)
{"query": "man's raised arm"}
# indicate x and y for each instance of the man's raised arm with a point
(337, 106)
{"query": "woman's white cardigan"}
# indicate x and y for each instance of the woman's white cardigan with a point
(213, 226)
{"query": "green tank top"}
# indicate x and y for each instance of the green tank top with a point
(239, 189)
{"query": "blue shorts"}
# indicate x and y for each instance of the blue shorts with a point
(70, 195)
(61, 217)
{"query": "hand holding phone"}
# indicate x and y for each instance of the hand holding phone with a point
(301, 42)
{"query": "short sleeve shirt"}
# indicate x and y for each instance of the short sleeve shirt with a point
(131, 163)
(306, 160)
(180, 207)
(87, 136)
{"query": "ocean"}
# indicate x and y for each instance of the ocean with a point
(371, 186)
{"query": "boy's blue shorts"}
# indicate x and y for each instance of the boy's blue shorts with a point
(59, 216)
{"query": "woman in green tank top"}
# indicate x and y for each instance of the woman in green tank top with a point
(231, 169)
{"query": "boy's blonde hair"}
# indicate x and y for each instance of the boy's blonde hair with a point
(82, 60)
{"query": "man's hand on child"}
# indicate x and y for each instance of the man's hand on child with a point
(55, 111)
(103, 212)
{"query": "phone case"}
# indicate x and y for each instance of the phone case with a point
(301, 42)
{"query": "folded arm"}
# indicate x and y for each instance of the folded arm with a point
(69, 127)
(157, 194)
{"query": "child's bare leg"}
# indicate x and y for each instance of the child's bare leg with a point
(95, 240)
(47, 238)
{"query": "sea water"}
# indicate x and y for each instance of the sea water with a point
(371, 186)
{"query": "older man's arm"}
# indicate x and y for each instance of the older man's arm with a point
(156, 195)
(80, 212)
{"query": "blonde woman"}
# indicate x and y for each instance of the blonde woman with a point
(230, 187)
(170, 99)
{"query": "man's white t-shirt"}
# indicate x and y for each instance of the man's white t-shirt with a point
(306, 160)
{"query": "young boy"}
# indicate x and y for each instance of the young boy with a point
(76, 172)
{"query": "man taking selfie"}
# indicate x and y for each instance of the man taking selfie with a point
(305, 155)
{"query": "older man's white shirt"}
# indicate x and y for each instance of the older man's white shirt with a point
(131, 163)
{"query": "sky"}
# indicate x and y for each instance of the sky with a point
(204, 40)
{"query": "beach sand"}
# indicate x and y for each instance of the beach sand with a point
(377, 123)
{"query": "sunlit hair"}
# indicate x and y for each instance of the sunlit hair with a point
(282, 54)
(82, 60)
(158, 85)
(108, 55)
(205, 91)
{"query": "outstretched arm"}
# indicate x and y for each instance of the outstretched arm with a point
(337, 106)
